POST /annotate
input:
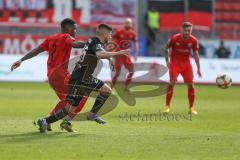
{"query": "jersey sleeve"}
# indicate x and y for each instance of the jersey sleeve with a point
(170, 43)
(195, 46)
(45, 45)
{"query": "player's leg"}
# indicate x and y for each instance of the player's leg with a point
(61, 89)
(59, 114)
(75, 101)
(56, 81)
(104, 92)
(130, 67)
(118, 66)
(191, 98)
(169, 95)
(78, 108)
(72, 100)
(58, 106)
(187, 75)
(173, 74)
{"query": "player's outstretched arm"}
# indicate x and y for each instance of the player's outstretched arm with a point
(29, 55)
(136, 51)
(105, 55)
(77, 44)
(196, 58)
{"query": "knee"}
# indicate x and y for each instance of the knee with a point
(130, 73)
(74, 101)
(172, 83)
(106, 91)
(190, 85)
(117, 74)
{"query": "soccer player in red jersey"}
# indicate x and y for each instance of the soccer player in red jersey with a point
(123, 38)
(181, 45)
(59, 48)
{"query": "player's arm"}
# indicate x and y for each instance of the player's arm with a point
(195, 49)
(77, 44)
(135, 42)
(29, 55)
(196, 58)
(106, 55)
(167, 56)
(167, 48)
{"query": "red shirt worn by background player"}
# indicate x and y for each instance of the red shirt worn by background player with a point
(124, 38)
(181, 48)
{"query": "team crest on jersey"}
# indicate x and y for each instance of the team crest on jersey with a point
(189, 44)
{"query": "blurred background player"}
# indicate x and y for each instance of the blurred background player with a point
(59, 48)
(222, 51)
(82, 81)
(123, 38)
(153, 27)
(181, 45)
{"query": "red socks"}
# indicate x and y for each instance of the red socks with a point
(169, 95)
(129, 78)
(191, 96)
(127, 82)
(61, 104)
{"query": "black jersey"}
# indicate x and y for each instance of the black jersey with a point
(89, 60)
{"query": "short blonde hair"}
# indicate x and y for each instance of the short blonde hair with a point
(186, 24)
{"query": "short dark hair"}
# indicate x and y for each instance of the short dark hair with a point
(104, 26)
(187, 24)
(67, 21)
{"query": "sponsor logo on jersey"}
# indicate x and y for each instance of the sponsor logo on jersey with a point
(182, 50)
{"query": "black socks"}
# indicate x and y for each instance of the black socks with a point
(99, 102)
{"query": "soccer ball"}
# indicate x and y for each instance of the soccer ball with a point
(223, 81)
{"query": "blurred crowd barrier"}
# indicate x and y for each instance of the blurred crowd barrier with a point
(147, 70)
(47, 13)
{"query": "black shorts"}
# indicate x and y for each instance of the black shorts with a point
(78, 88)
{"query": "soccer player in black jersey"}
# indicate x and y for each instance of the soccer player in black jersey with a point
(82, 81)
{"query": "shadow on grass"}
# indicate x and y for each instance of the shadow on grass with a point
(36, 136)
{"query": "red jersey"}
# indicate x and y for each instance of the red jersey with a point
(59, 48)
(181, 48)
(124, 38)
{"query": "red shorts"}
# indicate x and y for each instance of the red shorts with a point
(185, 70)
(58, 80)
(123, 60)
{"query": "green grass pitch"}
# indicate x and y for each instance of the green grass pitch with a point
(212, 135)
